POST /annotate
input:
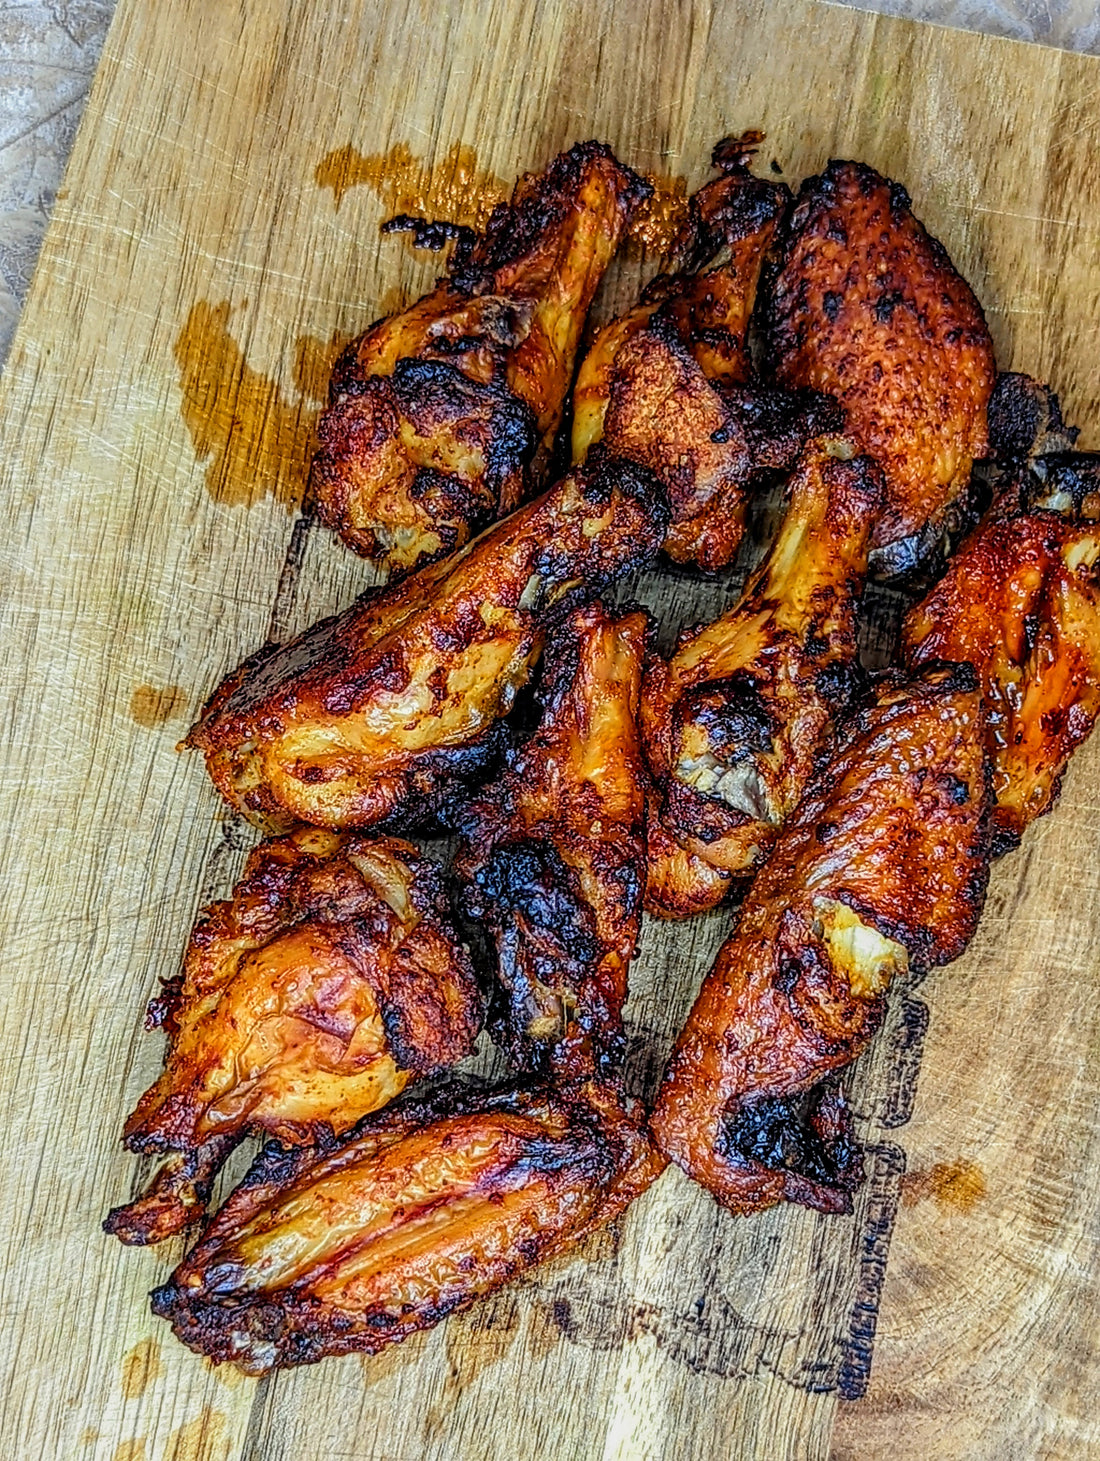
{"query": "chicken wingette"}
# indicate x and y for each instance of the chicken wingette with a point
(1020, 601)
(732, 722)
(868, 308)
(413, 1216)
(669, 384)
(435, 413)
(553, 861)
(330, 979)
(380, 713)
(882, 868)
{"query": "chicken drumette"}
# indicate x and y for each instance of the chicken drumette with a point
(1020, 601)
(436, 413)
(670, 384)
(868, 308)
(882, 867)
(383, 711)
(732, 722)
(554, 857)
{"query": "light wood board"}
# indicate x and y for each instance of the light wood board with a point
(154, 420)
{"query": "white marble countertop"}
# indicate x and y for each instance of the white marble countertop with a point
(49, 50)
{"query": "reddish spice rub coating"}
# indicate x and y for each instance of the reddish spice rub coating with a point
(732, 723)
(670, 384)
(436, 412)
(380, 713)
(1020, 601)
(883, 865)
(553, 860)
(413, 1216)
(868, 308)
(330, 979)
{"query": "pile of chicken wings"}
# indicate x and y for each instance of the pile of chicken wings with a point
(819, 350)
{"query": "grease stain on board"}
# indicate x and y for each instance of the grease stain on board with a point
(151, 707)
(255, 440)
(201, 1439)
(141, 1365)
(953, 1186)
(459, 190)
(130, 1450)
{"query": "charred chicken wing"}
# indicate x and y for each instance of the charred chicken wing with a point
(436, 413)
(384, 709)
(331, 979)
(554, 858)
(652, 387)
(410, 1218)
(883, 865)
(868, 308)
(733, 721)
(1020, 601)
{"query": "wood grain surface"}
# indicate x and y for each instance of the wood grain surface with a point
(155, 413)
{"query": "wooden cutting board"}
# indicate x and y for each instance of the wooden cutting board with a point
(216, 240)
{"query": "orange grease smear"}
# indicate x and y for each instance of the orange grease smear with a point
(140, 1367)
(256, 442)
(201, 1439)
(456, 189)
(459, 190)
(150, 707)
(958, 1185)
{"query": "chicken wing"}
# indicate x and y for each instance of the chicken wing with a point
(1020, 601)
(435, 413)
(884, 865)
(653, 385)
(868, 308)
(410, 1218)
(554, 855)
(330, 979)
(382, 711)
(732, 723)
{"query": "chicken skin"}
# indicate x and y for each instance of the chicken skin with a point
(883, 867)
(553, 860)
(733, 721)
(435, 414)
(668, 384)
(380, 713)
(869, 309)
(330, 979)
(1020, 601)
(415, 1214)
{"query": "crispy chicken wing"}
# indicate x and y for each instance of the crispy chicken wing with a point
(1020, 601)
(732, 723)
(382, 711)
(868, 308)
(653, 385)
(435, 413)
(554, 856)
(412, 1217)
(330, 979)
(883, 865)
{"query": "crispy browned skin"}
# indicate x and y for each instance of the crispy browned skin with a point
(435, 413)
(868, 308)
(884, 864)
(732, 723)
(554, 856)
(332, 978)
(653, 386)
(414, 1216)
(1020, 601)
(381, 712)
